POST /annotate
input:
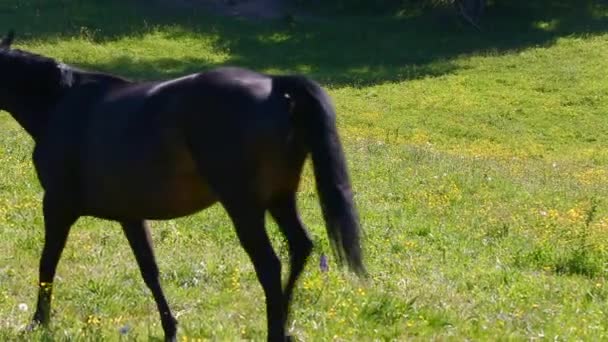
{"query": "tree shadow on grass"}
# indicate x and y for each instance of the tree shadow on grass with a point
(355, 51)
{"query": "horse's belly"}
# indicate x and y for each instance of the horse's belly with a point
(165, 199)
(179, 196)
(163, 187)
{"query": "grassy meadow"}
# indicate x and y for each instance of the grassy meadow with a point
(479, 162)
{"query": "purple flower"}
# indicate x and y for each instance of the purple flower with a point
(124, 329)
(323, 263)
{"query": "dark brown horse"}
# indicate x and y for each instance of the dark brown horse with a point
(128, 151)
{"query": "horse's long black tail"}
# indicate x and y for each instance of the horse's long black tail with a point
(314, 119)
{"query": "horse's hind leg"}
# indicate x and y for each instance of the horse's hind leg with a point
(300, 245)
(138, 234)
(58, 220)
(249, 224)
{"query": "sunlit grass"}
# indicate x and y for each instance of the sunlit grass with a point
(480, 177)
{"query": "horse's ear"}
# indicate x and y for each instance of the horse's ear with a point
(8, 40)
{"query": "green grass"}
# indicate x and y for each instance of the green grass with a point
(479, 161)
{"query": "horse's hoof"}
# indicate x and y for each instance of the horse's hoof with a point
(171, 338)
(289, 338)
(30, 327)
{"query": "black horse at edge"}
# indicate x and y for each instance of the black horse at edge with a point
(128, 151)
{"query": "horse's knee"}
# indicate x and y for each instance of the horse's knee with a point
(269, 269)
(307, 246)
(301, 249)
(151, 276)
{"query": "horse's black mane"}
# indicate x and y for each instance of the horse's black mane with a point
(41, 70)
(26, 67)
(25, 57)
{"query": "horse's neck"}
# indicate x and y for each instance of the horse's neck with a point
(32, 111)
(33, 120)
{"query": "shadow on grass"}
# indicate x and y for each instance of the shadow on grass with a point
(355, 51)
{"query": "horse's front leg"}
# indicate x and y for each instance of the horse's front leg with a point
(138, 234)
(58, 219)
